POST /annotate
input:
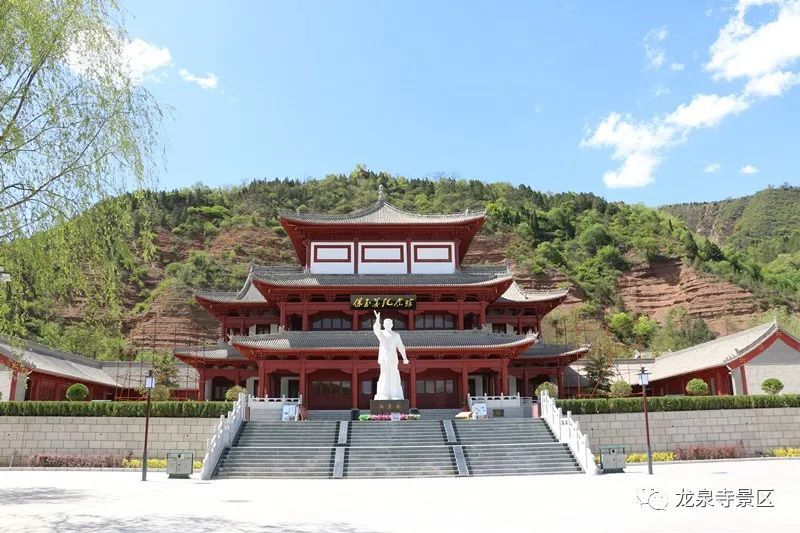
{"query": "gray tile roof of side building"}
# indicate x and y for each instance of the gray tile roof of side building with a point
(366, 339)
(55, 362)
(382, 213)
(710, 354)
(516, 294)
(131, 374)
(221, 350)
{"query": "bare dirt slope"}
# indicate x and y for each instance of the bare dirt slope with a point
(656, 288)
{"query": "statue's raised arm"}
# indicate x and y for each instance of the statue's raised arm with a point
(376, 326)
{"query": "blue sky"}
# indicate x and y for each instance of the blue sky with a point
(636, 101)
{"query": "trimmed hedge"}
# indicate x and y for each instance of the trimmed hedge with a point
(135, 409)
(676, 403)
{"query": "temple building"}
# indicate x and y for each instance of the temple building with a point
(306, 330)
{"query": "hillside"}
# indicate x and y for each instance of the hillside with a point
(616, 257)
(763, 225)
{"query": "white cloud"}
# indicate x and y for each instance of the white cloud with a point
(762, 55)
(711, 168)
(210, 80)
(706, 110)
(676, 67)
(748, 169)
(143, 58)
(653, 51)
(744, 51)
(104, 53)
(774, 84)
(660, 90)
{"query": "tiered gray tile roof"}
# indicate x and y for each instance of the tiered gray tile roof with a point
(366, 339)
(292, 276)
(382, 212)
(515, 294)
(543, 350)
(474, 276)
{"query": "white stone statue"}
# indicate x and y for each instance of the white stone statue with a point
(389, 385)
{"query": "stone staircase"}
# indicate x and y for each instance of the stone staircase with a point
(328, 414)
(439, 414)
(281, 449)
(398, 449)
(513, 446)
(365, 449)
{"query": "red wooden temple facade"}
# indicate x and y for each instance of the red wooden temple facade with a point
(307, 329)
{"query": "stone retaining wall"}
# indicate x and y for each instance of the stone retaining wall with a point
(758, 430)
(28, 435)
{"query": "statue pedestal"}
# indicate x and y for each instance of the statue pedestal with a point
(386, 407)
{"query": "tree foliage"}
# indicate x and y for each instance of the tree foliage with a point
(697, 387)
(76, 131)
(77, 392)
(772, 386)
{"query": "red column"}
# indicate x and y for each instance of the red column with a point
(355, 319)
(504, 376)
(411, 320)
(464, 381)
(12, 393)
(483, 314)
(560, 376)
(201, 385)
(354, 385)
(262, 380)
(224, 325)
(282, 307)
(460, 316)
(355, 256)
(408, 255)
(303, 381)
(457, 253)
(305, 316)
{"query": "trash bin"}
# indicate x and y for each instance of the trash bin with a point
(612, 458)
(180, 464)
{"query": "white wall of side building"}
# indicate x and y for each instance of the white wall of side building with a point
(5, 383)
(778, 361)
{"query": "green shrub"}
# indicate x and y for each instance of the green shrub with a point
(677, 403)
(160, 393)
(77, 392)
(697, 387)
(551, 389)
(232, 394)
(772, 386)
(621, 389)
(134, 409)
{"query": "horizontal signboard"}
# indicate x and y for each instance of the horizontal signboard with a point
(383, 301)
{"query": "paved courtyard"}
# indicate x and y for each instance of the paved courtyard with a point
(120, 501)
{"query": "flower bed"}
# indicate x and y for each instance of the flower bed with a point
(388, 418)
(72, 460)
(185, 409)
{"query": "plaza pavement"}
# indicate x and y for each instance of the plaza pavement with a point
(119, 501)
